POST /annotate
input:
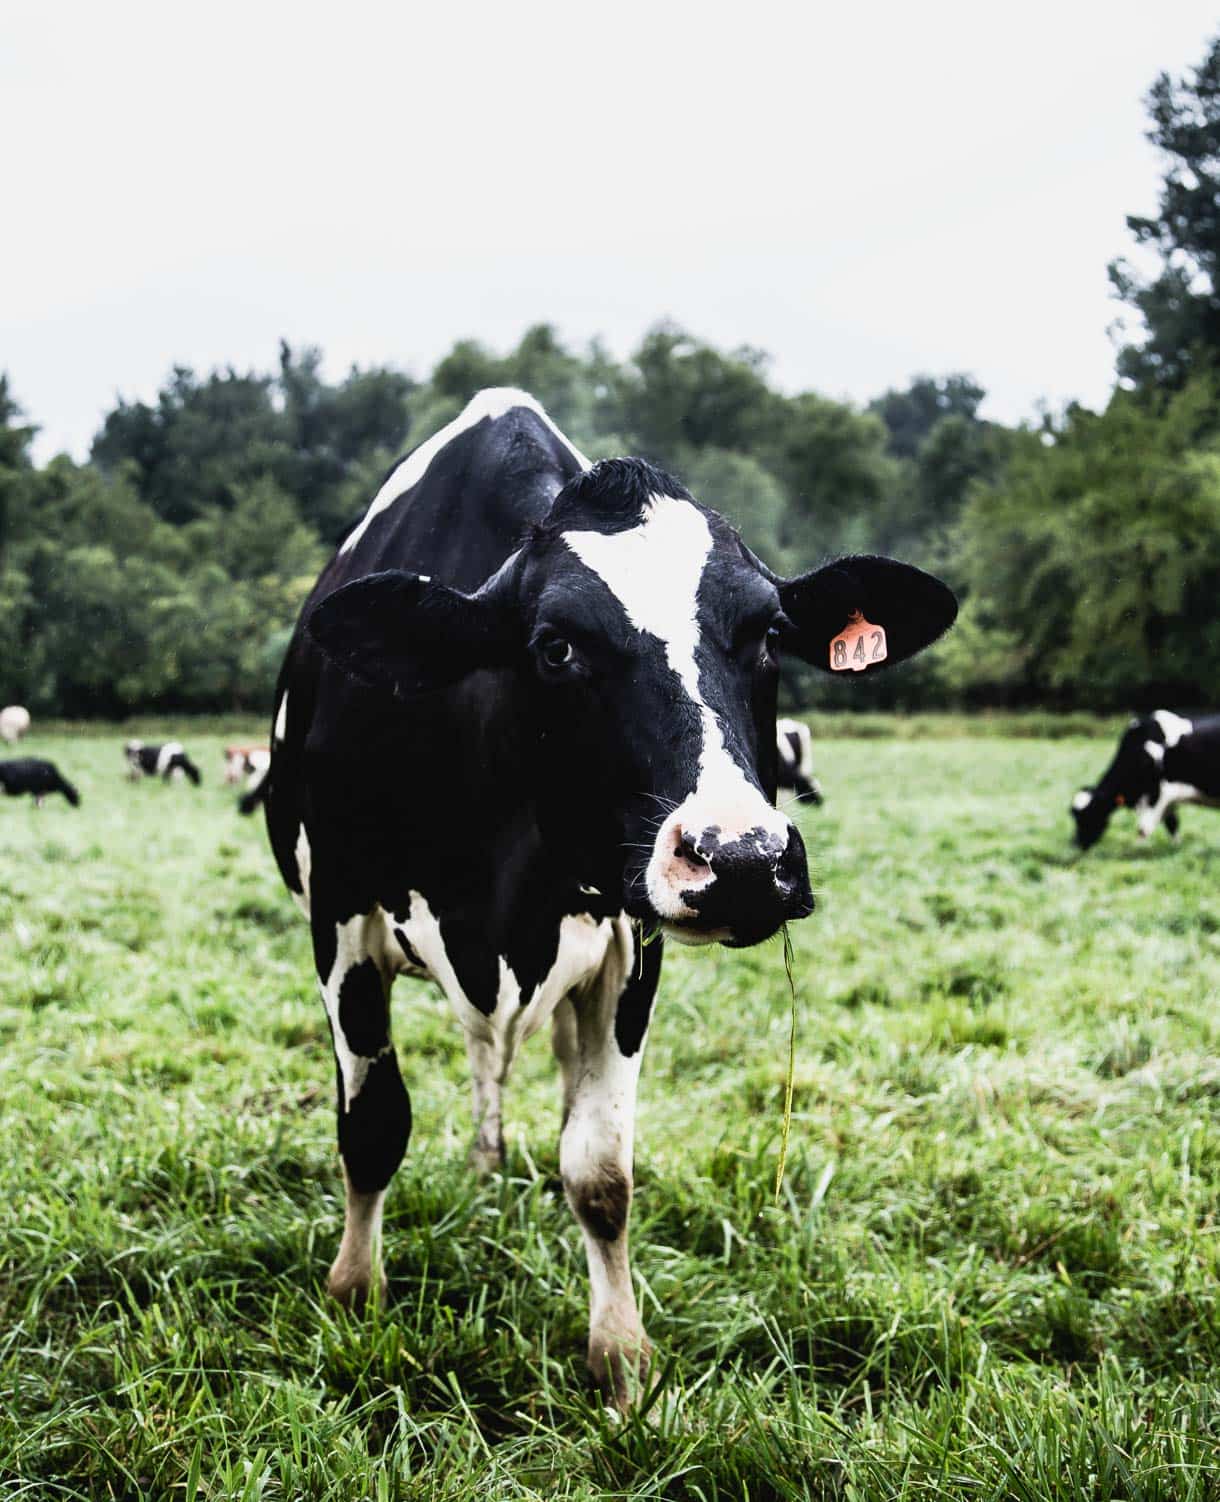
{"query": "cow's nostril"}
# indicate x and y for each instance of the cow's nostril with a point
(688, 850)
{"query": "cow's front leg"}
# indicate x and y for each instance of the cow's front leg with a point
(374, 1110)
(599, 1040)
(488, 1068)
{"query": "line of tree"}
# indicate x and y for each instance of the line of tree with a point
(165, 573)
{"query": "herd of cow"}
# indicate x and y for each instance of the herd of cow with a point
(526, 726)
(168, 760)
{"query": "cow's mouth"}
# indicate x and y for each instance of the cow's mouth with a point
(687, 931)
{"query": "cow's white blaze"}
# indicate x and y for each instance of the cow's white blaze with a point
(281, 719)
(1082, 800)
(654, 571)
(1173, 726)
(493, 403)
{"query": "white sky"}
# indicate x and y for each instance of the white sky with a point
(866, 192)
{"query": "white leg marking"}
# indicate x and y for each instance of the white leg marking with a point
(355, 943)
(595, 1159)
(1150, 814)
(489, 1067)
(304, 860)
(359, 1254)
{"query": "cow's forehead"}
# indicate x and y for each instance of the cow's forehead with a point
(653, 570)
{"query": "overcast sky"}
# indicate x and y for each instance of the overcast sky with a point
(866, 192)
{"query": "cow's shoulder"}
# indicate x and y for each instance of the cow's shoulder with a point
(502, 450)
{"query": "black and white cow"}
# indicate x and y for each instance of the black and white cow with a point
(526, 720)
(794, 750)
(29, 774)
(168, 761)
(1163, 759)
(246, 762)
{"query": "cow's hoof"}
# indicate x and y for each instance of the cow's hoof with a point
(619, 1366)
(354, 1288)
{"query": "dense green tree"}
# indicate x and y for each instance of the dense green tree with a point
(911, 415)
(15, 463)
(1093, 562)
(678, 394)
(1179, 305)
(833, 462)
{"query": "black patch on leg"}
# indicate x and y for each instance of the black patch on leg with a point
(373, 1135)
(362, 1009)
(325, 947)
(602, 1201)
(635, 1004)
(1171, 822)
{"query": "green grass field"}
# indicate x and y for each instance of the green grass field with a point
(992, 1272)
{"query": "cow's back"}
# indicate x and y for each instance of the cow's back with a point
(342, 756)
(458, 505)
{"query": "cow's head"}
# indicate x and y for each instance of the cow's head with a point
(644, 638)
(1132, 780)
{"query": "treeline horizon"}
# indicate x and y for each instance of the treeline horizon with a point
(165, 573)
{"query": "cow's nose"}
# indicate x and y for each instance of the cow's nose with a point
(687, 852)
(755, 878)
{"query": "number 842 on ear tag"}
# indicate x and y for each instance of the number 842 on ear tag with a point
(859, 645)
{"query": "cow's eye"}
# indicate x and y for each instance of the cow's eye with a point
(771, 640)
(556, 652)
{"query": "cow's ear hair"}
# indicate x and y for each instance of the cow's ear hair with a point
(912, 607)
(409, 634)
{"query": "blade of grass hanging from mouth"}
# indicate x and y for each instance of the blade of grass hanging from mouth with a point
(791, 1080)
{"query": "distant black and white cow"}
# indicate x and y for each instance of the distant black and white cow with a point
(248, 762)
(526, 720)
(794, 750)
(167, 761)
(1163, 759)
(28, 774)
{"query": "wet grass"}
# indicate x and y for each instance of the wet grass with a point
(992, 1271)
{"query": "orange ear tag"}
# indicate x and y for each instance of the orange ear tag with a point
(859, 645)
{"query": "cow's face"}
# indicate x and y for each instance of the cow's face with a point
(1091, 814)
(1132, 780)
(644, 640)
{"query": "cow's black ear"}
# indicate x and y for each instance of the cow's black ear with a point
(409, 634)
(862, 613)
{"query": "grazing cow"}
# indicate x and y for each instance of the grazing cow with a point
(14, 722)
(794, 750)
(27, 774)
(250, 762)
(527, 720)
(168, 761)
(1162, 760)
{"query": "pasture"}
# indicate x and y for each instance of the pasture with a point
(992, 1272)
